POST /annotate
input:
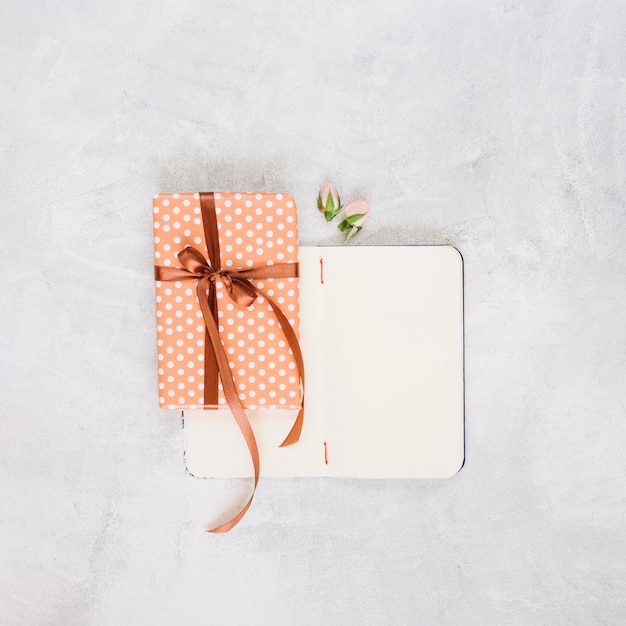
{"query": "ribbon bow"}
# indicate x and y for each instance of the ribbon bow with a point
(243, 292)
(236, 281)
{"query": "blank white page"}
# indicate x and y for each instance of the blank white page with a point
(394, 352)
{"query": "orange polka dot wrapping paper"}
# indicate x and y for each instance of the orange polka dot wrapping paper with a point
(255, 230)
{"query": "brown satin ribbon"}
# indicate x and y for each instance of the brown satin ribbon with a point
(243, 292)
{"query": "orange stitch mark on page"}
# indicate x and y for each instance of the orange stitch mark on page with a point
(325, 454)
(322, 271)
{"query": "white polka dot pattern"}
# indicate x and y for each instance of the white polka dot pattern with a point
(261, 361)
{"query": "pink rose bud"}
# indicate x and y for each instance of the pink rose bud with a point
(328, 201)
(354, 216)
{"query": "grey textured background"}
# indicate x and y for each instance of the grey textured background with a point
(497, 126)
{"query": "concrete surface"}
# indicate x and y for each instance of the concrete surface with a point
(499, 127)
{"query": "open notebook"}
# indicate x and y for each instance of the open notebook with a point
(381, 331)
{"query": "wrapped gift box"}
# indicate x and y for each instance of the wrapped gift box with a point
(255, 230)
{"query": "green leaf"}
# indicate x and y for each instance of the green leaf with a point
(320, 206)
(354, 218)
(353, 231)
(344, 225)
(329, 215)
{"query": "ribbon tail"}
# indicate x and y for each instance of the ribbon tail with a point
(224, 528)
(232, 398)
(296, 429)
(292, 340)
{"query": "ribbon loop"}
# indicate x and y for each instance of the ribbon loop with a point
(193, 261)
(241, 290)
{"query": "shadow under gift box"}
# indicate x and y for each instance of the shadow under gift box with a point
(255, 230)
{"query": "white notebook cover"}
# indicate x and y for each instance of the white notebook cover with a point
(381, 331)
